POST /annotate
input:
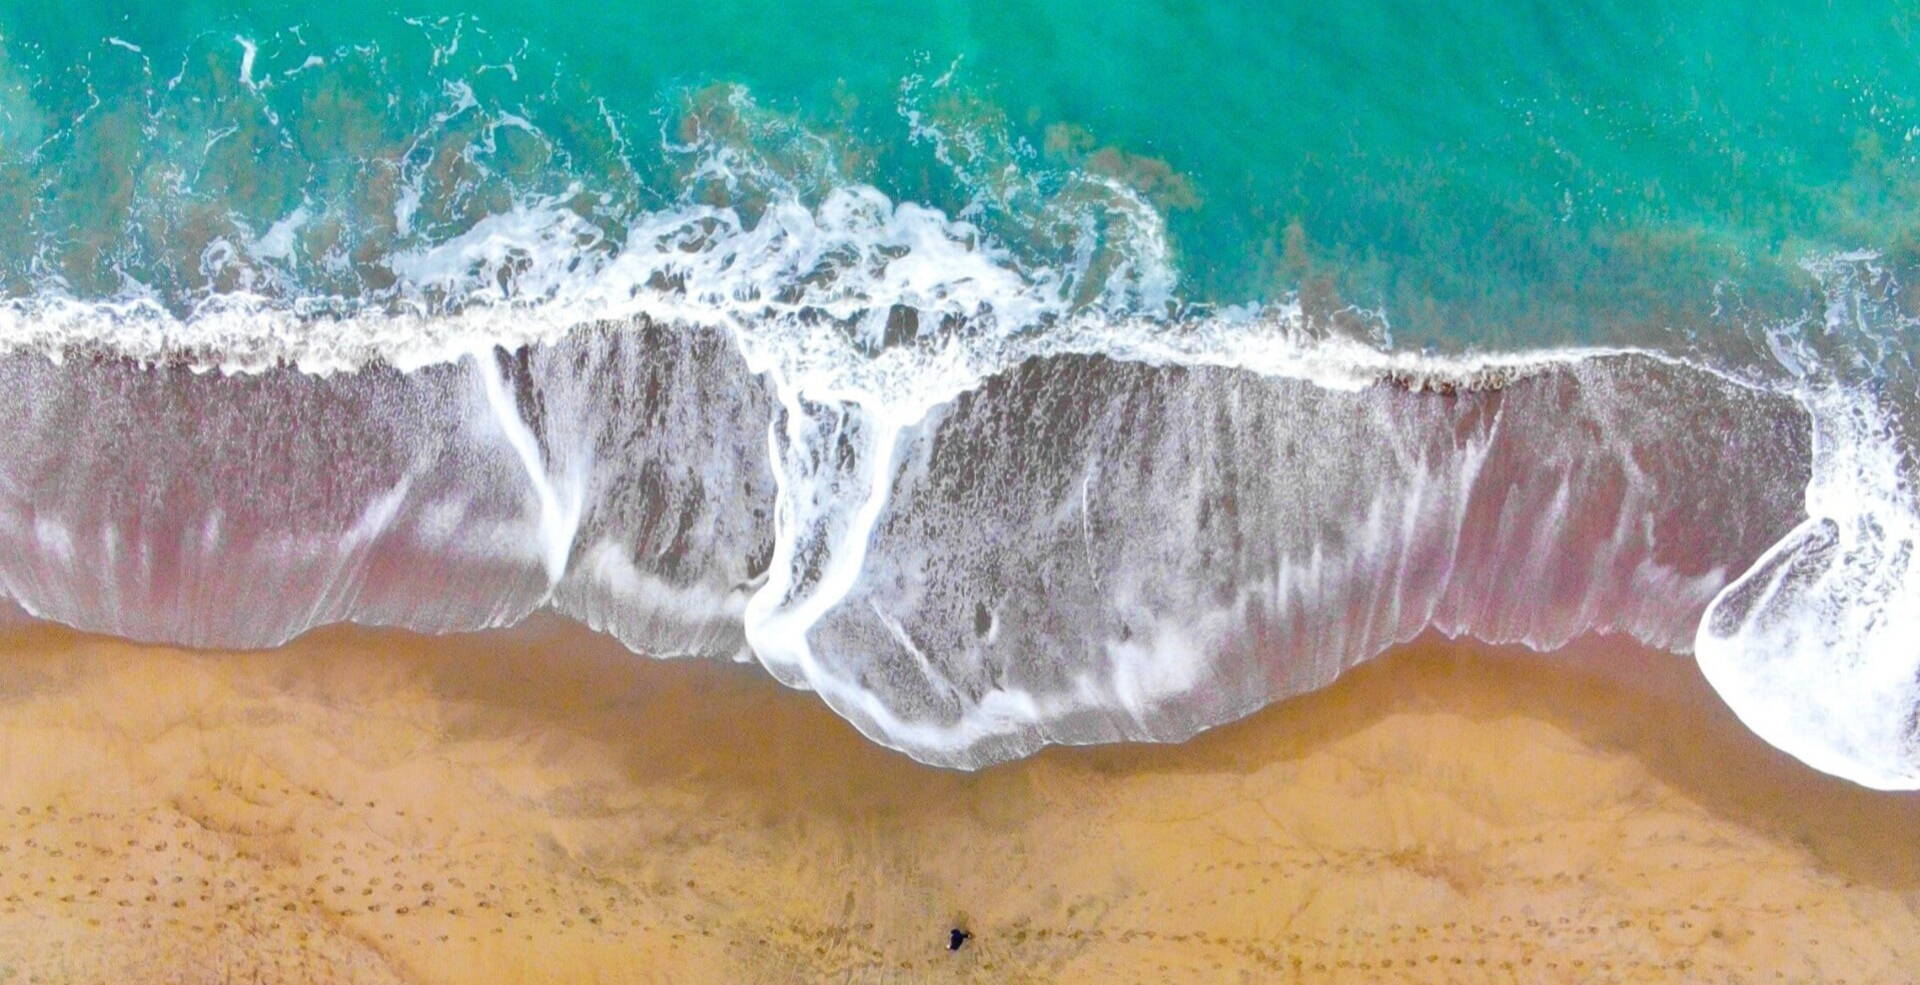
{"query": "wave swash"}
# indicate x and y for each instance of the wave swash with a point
(976, 475)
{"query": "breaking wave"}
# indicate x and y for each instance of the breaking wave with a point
(978, 475)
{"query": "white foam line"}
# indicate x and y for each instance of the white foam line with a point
(1086, 523)
(741, 278)
(559, 515)
(784, 628)
(777, 633)
(248, 51)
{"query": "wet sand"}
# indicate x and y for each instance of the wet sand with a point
(540, 806)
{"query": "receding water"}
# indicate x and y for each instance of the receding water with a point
(1006, 373)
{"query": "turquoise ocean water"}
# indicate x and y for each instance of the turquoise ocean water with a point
(1371, 302)
(1505, 174)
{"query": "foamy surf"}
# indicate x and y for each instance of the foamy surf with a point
(1073, 548)
(983, 478)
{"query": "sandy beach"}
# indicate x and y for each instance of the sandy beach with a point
(541, 806)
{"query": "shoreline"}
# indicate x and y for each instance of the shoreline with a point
(539, 804)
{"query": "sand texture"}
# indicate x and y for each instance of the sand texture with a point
(542, 807)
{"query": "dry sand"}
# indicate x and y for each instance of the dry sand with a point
(543, 807)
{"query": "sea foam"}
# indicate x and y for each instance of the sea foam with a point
(981, 479)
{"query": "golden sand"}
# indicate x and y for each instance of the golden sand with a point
(543, 807)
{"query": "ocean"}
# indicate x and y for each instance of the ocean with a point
(1007, 374)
